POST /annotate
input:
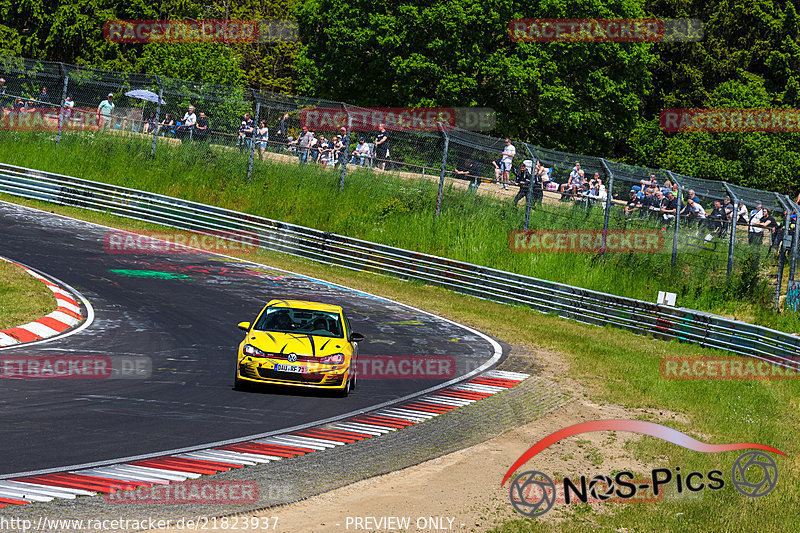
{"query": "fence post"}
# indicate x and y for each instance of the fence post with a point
(732, 243)
(609, 197)
(346, 151)
(253, 136)
(677, 219)
(158, 116)
(529, 196)
(796, 238)
(444, 168)
(63, 98)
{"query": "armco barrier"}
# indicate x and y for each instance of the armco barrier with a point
(568, 302)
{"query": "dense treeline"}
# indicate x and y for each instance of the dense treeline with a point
(595, 98)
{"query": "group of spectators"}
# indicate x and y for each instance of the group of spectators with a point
(334, 151)
(649, 200)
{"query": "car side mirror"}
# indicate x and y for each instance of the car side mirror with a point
(244, 326)
(356, 337)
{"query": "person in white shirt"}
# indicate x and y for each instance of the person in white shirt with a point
(187, 123)
(755, 234)
(506, 161)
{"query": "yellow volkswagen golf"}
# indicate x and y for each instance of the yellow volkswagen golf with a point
(299, 344)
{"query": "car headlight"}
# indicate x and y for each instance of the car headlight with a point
(252, 351)
(334, 359)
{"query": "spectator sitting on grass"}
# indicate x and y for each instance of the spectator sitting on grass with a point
(646, 203)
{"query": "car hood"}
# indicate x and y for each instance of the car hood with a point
(299, 343)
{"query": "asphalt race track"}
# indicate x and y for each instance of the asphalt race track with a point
(181, 311)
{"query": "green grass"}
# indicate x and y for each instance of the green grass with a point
(399, 212)
(23, 298)
(619, 367)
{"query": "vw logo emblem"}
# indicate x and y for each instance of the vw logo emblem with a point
(292, 357)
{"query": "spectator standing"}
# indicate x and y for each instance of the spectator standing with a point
(302, 143)
(755, 234)
(262, 136)
(507, 159)
(524, 180)
(201, 128)
(770, 224)
(313, 147)
(2, 88)
(105, 111)
(382, 146)
(281, 131)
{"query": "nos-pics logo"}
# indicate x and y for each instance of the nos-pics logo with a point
(533, 493)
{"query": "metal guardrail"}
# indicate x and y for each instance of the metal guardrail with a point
(574, 303)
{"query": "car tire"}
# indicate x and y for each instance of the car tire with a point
(348, 386)
(239, 384)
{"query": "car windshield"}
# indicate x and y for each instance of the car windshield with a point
(306, 321)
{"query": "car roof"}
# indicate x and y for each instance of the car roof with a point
(302, 304)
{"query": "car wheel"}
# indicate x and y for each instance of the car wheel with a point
(348, 386)
(239, 384)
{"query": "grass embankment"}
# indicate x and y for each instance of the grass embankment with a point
(622, 368)
(394, 211)
(23, 298)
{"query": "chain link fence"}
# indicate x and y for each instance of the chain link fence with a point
(714, 227)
